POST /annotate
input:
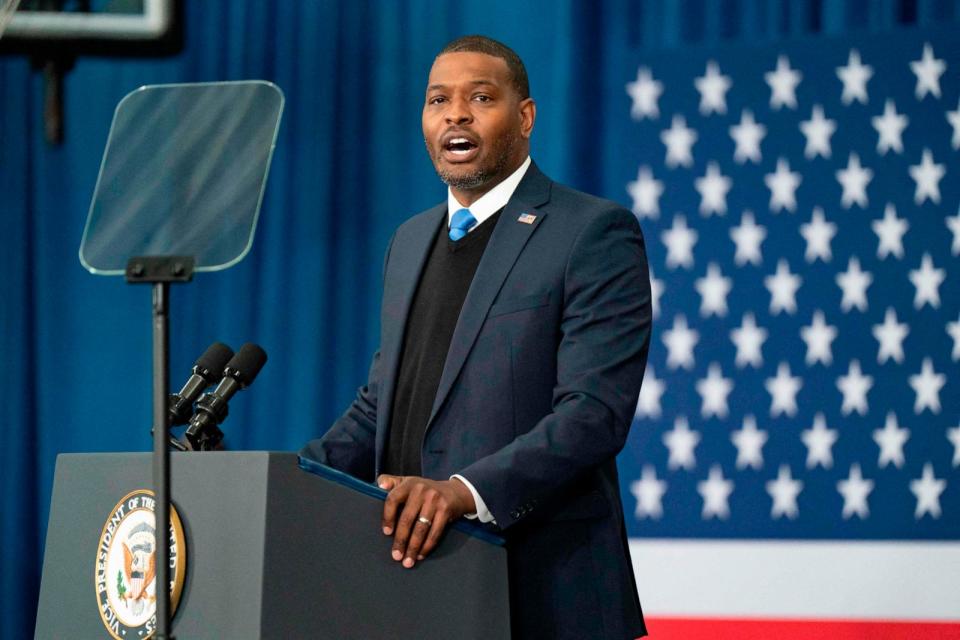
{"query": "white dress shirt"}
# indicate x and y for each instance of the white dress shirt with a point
(490, 202)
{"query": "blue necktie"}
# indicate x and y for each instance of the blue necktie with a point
(461, 222)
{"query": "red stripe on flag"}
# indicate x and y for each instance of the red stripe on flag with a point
(738, 629)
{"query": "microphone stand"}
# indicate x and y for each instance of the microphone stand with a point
(160, 271)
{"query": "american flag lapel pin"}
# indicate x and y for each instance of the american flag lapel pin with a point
(526, 218)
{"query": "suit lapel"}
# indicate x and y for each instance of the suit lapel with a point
(408, 255)
(507, 241)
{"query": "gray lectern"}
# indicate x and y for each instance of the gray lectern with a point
(272, 551)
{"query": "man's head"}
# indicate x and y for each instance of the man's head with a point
(477, 115)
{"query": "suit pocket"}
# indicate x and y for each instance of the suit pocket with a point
(512, 305)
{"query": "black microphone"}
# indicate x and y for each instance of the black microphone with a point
(203, 434)
(207, 371)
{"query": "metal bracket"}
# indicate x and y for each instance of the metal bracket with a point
(153, 269)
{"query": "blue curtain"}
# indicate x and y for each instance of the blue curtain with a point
(349, 166)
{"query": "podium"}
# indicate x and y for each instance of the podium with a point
(273, 550)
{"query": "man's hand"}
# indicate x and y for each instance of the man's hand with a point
(425, 508)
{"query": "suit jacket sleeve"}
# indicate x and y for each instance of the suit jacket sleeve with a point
(350, 444)
(605, 336)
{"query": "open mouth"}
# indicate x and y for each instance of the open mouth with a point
(459, 148)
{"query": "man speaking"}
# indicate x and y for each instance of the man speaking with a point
(515, 324)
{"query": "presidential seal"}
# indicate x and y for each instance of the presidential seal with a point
(125, 570)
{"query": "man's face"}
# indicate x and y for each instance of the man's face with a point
(476, 127)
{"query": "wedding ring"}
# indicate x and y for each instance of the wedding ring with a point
(425, 521)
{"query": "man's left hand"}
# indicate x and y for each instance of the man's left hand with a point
(424, 507)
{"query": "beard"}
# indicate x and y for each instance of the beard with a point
(489, 172)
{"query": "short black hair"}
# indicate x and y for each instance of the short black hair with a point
(491, 47)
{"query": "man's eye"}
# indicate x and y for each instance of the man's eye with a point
(436, 100)
(482, 98)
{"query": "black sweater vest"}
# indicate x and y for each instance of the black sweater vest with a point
(433, 317)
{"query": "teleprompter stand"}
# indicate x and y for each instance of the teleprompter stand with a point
(160, 271)
(181, 182)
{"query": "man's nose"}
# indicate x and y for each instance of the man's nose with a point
(459, 112)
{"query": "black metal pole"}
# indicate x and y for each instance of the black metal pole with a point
(161, 453)
(160, 271)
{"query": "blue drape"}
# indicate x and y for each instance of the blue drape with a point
(349, 166)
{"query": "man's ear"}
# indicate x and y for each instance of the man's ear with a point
(528, 114)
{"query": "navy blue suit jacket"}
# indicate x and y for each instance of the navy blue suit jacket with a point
(536, 398)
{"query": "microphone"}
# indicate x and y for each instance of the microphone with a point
(207, 370)
(203, 434)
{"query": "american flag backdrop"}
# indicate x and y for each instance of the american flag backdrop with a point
(794, 465)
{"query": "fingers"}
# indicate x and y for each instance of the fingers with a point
(405, 523)
(440, 520)
(388, 482)
(415, 513)
(395, 499)
(422, 526)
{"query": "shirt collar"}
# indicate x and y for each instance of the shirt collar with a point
(493, 200)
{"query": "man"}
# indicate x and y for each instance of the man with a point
(515, 325)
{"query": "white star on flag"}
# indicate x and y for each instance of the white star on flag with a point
(854, 283)
(783, 287)
(783, 391)
(713, 391)
(713, 87)
(819, 441)
(953, 117)
(783, 83)
(645, 192)
(927, 490)
(818, 233)
(818, 337)
(713, 289)
(644, 91)
(679, 140)
(648, 404)
(927, 385)
(817, 130)
(748, 236)
(927, 177)
(648, 491)
(855, 490)
(891, 439)
(656, 290)
(890, 335)
(927, 281)
(749, 442)
(713, 188)
(928, 70)
(679, 239)
(854, 77)
(890, 128)
(854, 180)
(748, 338)
(890, 232)
(747, 135)
(854, 386)
(680, 341)
(953, 224)
(953, 435)
(953, 330)
(681, 442)
(783, 185)
(784, 491)
(715, 491)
